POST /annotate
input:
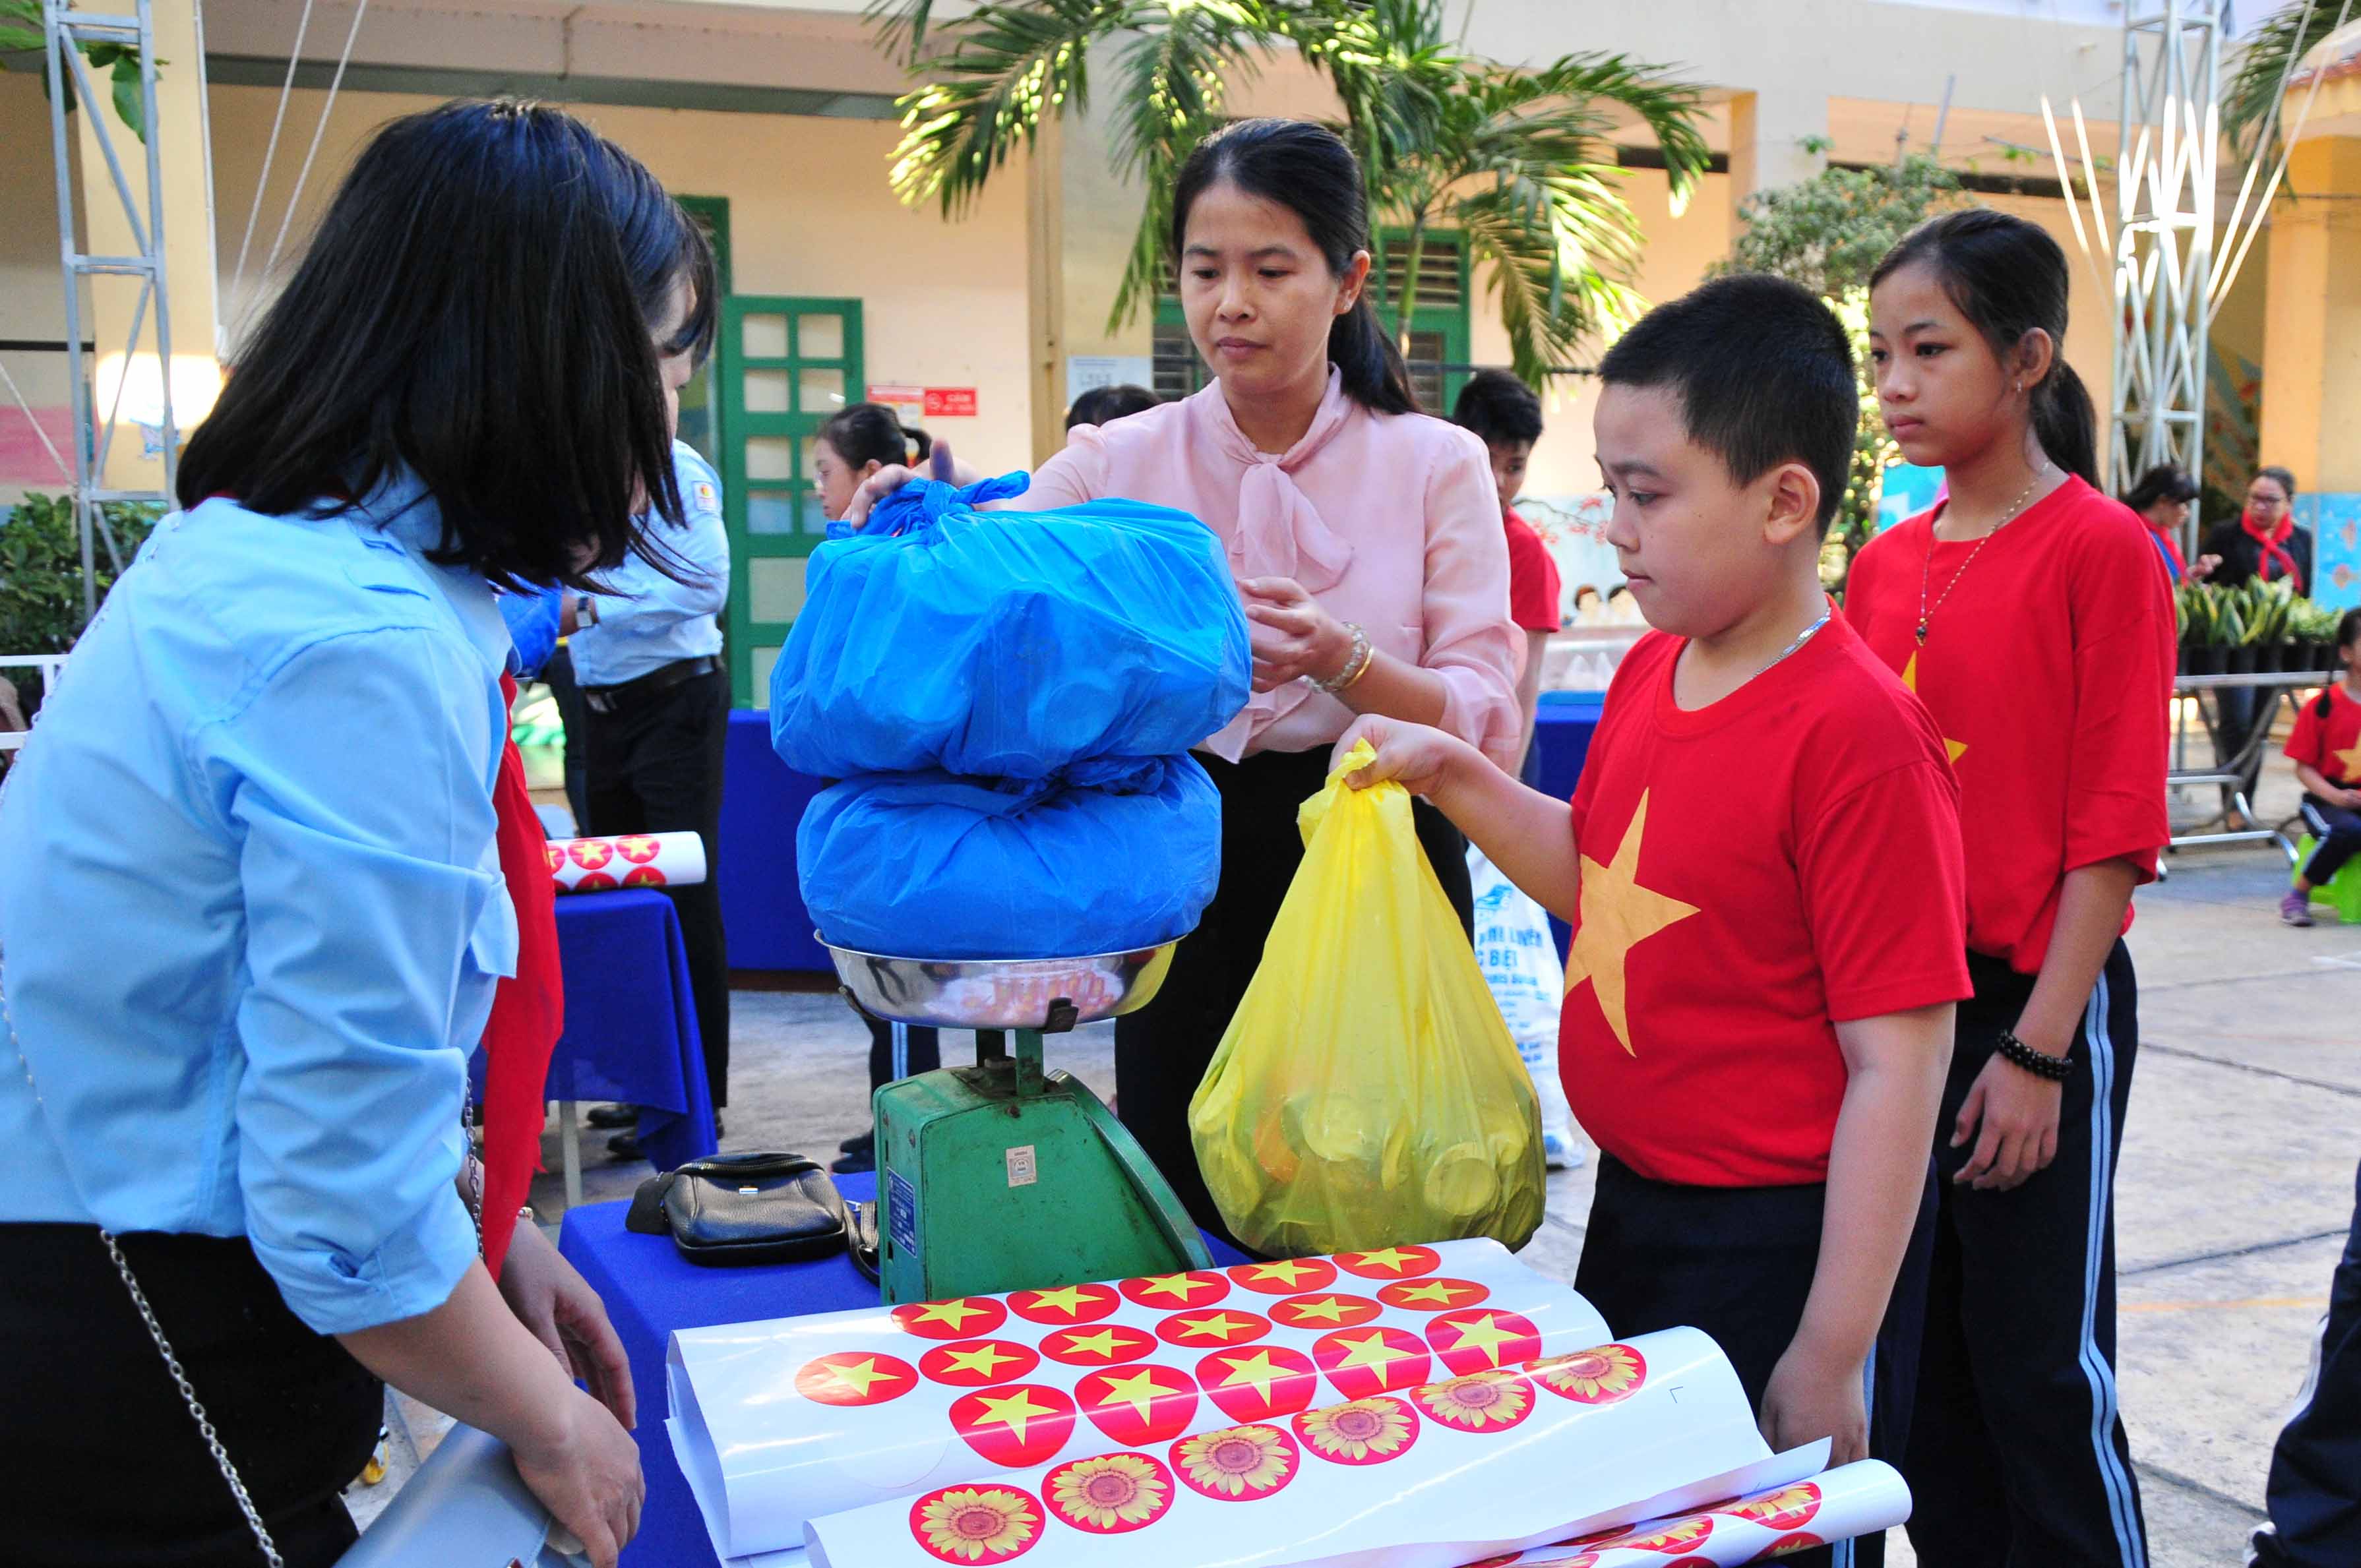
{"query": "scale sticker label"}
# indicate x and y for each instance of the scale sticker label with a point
(902, 1212)
(1022, 1169)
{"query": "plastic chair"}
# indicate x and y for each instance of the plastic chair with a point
(2343, 893)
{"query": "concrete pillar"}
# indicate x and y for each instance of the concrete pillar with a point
(2311, 330)
(1777, 136)
(1045, 269)
(179, 135)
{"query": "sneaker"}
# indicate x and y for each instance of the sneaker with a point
(859, 1156)
(2295, 909)
(607, 1118)
(1562, 1154)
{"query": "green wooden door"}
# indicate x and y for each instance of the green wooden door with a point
(784, 365)
(700, 410)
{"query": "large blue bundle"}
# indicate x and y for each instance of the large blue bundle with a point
(1008, 645)
(1120, 857)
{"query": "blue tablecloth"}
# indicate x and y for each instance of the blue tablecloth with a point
(763, 799)
(650, 1291)
(1563, 725)
(631, 1025)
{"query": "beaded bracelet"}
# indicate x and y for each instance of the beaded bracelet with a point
(1356, 663)
(2041, 1064)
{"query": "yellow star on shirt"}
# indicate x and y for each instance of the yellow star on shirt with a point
(2351, 758)
(955, 1313)
(1618, 914)
(1221, 1326)
(1178, 1284)
(1910, 679)
(983, 1360)
(1327, 1309)
(1012, 1411)
(1258, 1370)
(1066, 1299)
(1430, 1291)
(1372, 1350)
(1138, 1389)
(1289, 1272)
(1101, 1342)
(862, 1376)
(1484, 1333)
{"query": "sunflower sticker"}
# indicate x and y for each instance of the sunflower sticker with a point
(1363, 1362)
(1786, 1545)
(1288, 1276)
(1135, 1405)
(1198, 1287)
(1220, 1326)
(1100, 1344)
(1261, 1382)
(965, 1318)
(1479, 1339)
(1236, 1464)
(1433, 1294)
(1674, 1539)
(1113, 1494)
(1787, 1508)
(851, 1377)
(1015, 1426)
(979, 1363)
(975, 1524)
(1066, 1305)
(1361, 1431)
(1482, 1401)
(1330, 1309)
(1600, 1375)
(1390, 1263)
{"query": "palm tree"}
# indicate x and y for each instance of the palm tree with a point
(2265, 61)
(1522, 163)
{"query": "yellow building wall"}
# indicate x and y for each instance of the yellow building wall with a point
(810, 214)
(32, 306)
(2311, 370)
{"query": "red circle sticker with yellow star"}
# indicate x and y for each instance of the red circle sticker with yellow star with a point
(1390, 1263)
(1065, 1305)
(1101, 1344)
(1600, 1375)
(1479, 1339)
(1111, 1494)
(590, 853)
(1433, 1294)
(979, 1524)
(1790, 1508)
(1259, 1382)
(1016, 1425)
(1366, 1361)
(643, 876)
(965, 1318)
(1326, 1309)
(855, 1377)
(1236, 1464)
(555, 855)
(1359, 1431)
(1786, 1545)
(638, 849)
(1198, 1287)
(1138, 1404)
(596, 882)
(1214, 1326)
(979, 1363)
(1479, 1403)
(1288, 1276)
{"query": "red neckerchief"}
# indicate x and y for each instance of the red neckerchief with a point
(2164, 537)
(527, 1011)
(2271, 543)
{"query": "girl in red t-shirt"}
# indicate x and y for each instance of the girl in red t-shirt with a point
(2326, 750)
(2033, 616)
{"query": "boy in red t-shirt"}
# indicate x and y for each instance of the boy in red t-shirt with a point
(1503, 412)
(1762, 868)
(2326, 750)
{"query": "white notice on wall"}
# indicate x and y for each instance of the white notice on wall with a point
(1084, 371)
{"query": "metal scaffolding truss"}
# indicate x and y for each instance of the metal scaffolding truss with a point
(65, 32)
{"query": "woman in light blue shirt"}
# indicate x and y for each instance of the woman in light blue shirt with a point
(251, 910)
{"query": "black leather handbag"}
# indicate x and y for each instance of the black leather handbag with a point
(740, 1209)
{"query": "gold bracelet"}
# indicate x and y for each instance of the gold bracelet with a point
(1356, 663)
(1369, 657)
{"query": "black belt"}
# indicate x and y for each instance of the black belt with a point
(615, 698)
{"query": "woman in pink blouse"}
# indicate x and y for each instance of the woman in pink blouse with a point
(1364, 536)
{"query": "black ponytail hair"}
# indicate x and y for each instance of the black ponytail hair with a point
(2348, 632)
(2009, 277)
(864, 434)
(1308, 170)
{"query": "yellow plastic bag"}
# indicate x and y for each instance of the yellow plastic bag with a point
(1368, 1094)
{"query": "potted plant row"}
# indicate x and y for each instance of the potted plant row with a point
(2255, 628)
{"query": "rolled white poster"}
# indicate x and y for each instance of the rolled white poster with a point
(628, 860)
(1436, 1477)
(1836, 1504)
(775, 1423)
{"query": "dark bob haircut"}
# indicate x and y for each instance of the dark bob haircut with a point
(864, 434)
(1308, 170)
(1497, 408)
(2164, 482)
(1101, 404)
(1763, 373)
(476, 307)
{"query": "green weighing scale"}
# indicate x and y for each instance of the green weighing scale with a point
(1005, 1176)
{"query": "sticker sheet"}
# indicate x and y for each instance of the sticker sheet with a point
(778, 1422)
(632, 860)
(1491, 1461)
(1836, 1504)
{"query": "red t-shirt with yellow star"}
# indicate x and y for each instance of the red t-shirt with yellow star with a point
(1755, 873)
(2332, 744)
(2049, 662)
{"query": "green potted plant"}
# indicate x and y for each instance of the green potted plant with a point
(2203, 651)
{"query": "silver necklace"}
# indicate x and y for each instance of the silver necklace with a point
(1925, 611)
(1796, 646)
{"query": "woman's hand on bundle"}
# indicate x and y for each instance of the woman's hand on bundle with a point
(940, 464)
(585, 1469)
(1292, 637)
(565, 1315)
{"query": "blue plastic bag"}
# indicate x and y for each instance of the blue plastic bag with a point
(1122, 856)
(1008, 645)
